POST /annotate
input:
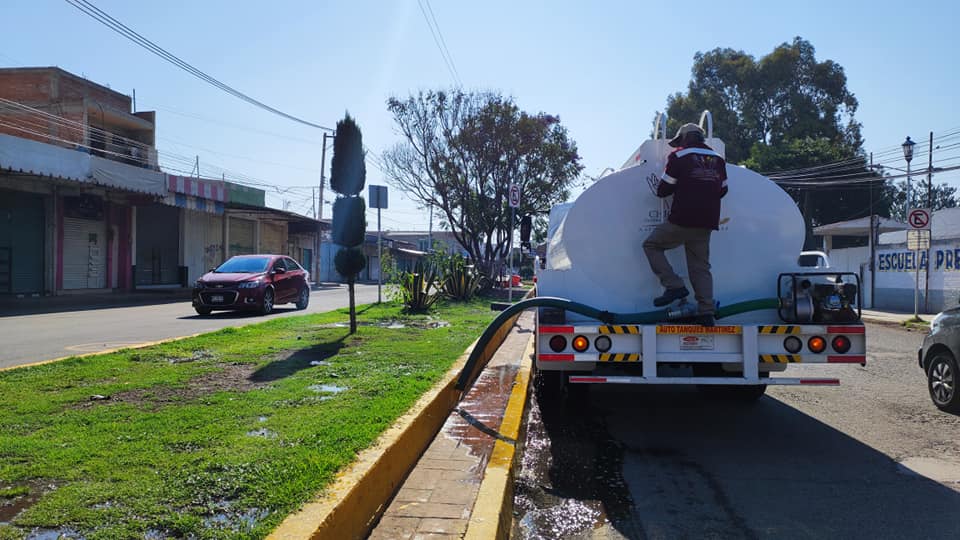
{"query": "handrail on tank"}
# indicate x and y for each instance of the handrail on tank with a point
(709, 118)
(660, 127)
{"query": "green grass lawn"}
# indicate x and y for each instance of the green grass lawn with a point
(218, 436)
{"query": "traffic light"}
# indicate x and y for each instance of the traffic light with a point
(526, 223)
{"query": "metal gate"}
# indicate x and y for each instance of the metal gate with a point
(158, 245)
(21, 243)
(241, 237)
(84, 254)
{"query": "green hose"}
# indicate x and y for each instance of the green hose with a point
(647, 317)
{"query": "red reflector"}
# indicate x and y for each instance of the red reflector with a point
(852, 359)
(833, 382)
(846, 330)
(556, 329)
(556, 358)
(588, 379)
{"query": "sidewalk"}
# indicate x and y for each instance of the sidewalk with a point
(437, 499)
(31, 305)
(892, 317)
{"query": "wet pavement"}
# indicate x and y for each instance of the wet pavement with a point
(871, 459)
(437, 497)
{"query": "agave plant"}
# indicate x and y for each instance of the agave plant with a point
(460, 281)
(419, 288)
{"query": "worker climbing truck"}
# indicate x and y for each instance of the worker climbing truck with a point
(595, 319)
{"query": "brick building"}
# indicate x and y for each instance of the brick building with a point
(85, 206)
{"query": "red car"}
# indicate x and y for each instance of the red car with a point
(252, 282)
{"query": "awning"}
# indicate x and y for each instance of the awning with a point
(32, 157)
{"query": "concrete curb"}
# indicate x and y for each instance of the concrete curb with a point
(105, 351)
(492, 515)
(353, 504)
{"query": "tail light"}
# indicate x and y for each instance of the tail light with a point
(580, 343)
(558, 343)
(841, 344)
(603, 343)
(817, 344)
(792, 344)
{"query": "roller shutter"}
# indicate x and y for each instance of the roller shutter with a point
(84, 254)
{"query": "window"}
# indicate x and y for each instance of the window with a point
(291, 264)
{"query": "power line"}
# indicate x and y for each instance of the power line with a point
(443, 42)
(104, 18)
(447, 60)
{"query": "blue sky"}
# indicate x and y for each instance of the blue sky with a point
(603, 67)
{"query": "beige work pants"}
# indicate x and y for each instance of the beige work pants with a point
(696, 242)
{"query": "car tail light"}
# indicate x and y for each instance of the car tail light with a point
(558, 343)
(580, 343)
(792, 344)
(603, 343)
(817, 344)
(841, 344)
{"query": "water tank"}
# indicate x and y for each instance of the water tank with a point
(595, 254)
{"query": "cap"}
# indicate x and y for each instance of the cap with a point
(683, 132)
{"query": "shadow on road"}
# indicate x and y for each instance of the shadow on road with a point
(666, 463)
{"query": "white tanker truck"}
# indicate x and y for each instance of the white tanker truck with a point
(596, 322)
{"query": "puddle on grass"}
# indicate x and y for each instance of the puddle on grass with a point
(262, 432)
(228, 519)
(327, 388)
(63, 533)
(10, 507)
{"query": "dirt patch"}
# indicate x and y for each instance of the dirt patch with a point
(229, 378)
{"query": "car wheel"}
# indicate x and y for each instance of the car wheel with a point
(203, 310)
(942, 382)
(266, 306)
(304, 299)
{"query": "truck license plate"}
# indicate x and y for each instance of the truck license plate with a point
(696, 343)
(217, 299)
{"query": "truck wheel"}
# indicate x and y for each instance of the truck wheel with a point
(942, 377)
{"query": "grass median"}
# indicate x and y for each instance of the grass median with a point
(217, 436)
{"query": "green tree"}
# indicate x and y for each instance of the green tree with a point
(461, 151)
(347, 176)
(783, 115)
(941, 196)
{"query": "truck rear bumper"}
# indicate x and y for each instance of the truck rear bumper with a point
(730, 381)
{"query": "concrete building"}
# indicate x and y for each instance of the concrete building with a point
(84, 205)
(897, 268)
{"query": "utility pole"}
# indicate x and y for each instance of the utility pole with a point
(323, 165)
(926, 286)
(873, 244)
(430, 231)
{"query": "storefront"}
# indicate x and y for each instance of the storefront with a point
(157, 246)
(22, 245)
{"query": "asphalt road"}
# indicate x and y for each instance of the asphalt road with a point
(32, 338)
(871, 459)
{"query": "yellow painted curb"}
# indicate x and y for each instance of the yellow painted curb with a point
(492, 513)
(358, 497)
(105, 351)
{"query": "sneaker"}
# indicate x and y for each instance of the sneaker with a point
(670, 295)
(705, 319)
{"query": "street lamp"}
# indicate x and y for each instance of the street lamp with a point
(908, 155)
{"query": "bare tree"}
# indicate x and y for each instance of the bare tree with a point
(461, 151)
